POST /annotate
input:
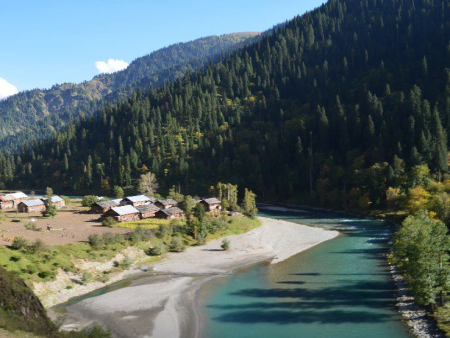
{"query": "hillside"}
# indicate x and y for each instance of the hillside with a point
(333, 107)
(37, 113)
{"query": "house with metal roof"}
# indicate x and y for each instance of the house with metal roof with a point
(6, 202)
(56, 201)
(136, 200)
(123, 213)
(31, 206)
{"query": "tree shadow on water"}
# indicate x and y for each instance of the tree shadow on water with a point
(354, 302)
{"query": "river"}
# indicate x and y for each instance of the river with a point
(340, 288)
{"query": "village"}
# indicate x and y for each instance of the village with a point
(20, 213)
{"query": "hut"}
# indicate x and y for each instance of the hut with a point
(57, 201)
(211, 204)
(147, 211)
(6, 202)
(18, 197)
(123, 214)
(31, 206)
(136, 200)
(166, 204)
(102, 207)
(170, 213)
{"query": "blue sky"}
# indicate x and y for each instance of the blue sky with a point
(55, 41)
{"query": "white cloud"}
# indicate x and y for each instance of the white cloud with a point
(6, 89)
(111, 66)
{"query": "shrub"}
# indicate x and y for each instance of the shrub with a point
(95, 241)
(163, 231)
(127, 262)
(177, 245)
(44, 274)
(89, 200)
(225, 244)
(37, 247)
(86, 277)
(158, 250)
(30, 226)
(14, 258)
(109, 222)
(110, 238)
(19, 242)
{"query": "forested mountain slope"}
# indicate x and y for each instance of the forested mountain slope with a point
(37, 113)
(333, 106)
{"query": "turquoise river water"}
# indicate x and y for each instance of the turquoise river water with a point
(340, 289)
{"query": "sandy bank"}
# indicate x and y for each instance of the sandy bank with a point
(164, 305)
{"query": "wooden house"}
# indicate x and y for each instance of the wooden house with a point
(170, 213)
(6, 202)
(166, 204)
(31, 206)
(124, 213)
(147, 211)
(211, 204)
(56, 201)
(102, 207)
(136, 200)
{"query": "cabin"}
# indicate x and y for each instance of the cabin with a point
(170, 213)
(6, 202)
(102, 207)
(31, 206)
(166, 204)
(18, 197)
(147, 211)
(57, 201)
(211, 204)
(124, 213)
(136, 200)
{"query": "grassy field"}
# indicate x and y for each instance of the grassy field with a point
(43, 266)
(150, 223)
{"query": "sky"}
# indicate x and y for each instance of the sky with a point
(49, 42)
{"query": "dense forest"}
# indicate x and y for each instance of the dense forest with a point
(38, 113)
(334, 108)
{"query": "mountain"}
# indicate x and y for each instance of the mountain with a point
(37, 113)
(331, 107)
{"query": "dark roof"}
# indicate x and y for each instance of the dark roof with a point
(168, 201)
(212, 200)
(107, 204)
(172, 211)
(147, 208)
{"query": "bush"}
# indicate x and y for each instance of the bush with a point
(177, 244)
(44, 274)
(30, 226)
(86, 277)
(139, 234)
(95, 241)
(225, 244)
(89, 200)
(127, 262)
(158, 250)
(110, 238)
(109, 222)
(163, 231)
(37, 247)
(19, 242)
